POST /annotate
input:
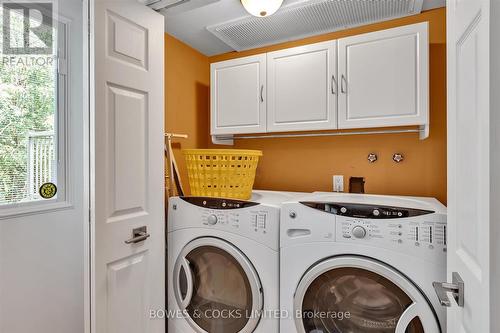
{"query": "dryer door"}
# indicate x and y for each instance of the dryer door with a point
(357, 294)
(217, 287)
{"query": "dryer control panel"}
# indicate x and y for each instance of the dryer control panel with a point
(255, 219)
(249, 219)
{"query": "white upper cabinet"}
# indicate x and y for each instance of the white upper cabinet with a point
(238, 96)
(301, 88)
(384, 78)
(378, 79)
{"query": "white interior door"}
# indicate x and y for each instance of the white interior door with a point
(129, 168)
(43, 138)
(468, 162)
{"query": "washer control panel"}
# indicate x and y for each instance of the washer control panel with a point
(429, 233)
(405, 234)
(366, 211)
(397, 228)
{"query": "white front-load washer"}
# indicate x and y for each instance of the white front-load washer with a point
(362, 264)
(223, 264)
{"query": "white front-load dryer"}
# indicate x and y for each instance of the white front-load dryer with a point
(223, 264)
(362, 264)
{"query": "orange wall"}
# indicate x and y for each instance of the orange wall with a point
(307, 164)
(186, 97)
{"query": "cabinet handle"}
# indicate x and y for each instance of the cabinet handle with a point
(343, 81)
(262, 93)
(334, 85)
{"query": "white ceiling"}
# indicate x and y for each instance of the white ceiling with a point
(188, 22)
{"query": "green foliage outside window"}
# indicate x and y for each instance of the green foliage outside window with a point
(27, 105)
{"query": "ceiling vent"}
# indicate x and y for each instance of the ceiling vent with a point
(163, 4)
(309, 18)
(177, 6)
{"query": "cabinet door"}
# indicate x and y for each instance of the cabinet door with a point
(302, 88)
(238, 101)
(384, 78)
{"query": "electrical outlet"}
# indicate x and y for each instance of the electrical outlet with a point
(338, 183)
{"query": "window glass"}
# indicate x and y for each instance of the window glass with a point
(28, 100)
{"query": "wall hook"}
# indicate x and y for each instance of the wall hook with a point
(372, 157)
(398, 157)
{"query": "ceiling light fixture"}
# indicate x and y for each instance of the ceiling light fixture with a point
(261, 8)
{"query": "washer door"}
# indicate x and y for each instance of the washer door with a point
(351, 294)
(217, 287)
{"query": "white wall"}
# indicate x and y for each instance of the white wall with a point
(42, 256)
(495, 160)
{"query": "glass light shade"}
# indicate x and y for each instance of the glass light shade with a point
(261, 8)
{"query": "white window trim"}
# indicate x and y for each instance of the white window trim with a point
(65, 193)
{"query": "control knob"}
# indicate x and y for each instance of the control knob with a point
(212, 219)
(359, 232)
(376, 212)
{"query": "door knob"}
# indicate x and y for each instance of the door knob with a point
(456, 288)
(138, 235)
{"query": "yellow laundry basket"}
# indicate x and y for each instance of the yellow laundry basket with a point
(223, 173)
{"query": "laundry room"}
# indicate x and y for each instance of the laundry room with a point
(309, 163)
(393, 164)
(249, 166)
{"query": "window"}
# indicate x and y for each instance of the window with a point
(32, 104)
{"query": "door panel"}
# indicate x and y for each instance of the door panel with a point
(128, 114)
(467, 120)
(128, 40)
(468, 161)
(302, 88)
(384, 78)
(238, 102)
(128, 293)
(129, 192)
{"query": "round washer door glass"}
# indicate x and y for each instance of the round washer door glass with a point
(349, 297)
(218, 287)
